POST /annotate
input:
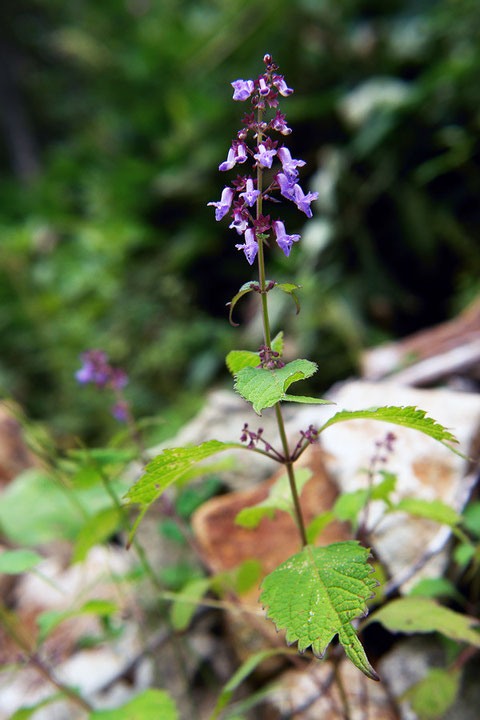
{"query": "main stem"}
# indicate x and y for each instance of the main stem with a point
(268, 343)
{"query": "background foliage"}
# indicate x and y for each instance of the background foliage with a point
(115, 117)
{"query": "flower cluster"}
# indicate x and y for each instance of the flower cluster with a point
(247, 191)
(96, 369)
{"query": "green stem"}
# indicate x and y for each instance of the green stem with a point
(268, 342)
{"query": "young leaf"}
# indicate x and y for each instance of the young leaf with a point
(409, 416)
(246, 288)
(435, 694)
(50, 619)
(277, 343)
(430, 509)
(290, 288)
(96, 530)
(238, 359)
(243, 672)
(318, 524)
(13, 562)
(148, 705)
(183, 609)
(279, 498)
(169, 466)
(348, 505)
(436, 587)
(416, 614)
(264, 388)
(316, 594)
(307, 400)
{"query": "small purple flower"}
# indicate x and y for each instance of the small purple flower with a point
(278, 123)
(120, 411)
(303, 201)
(289, 165)
(242, 89)
(263, 87)
(236, 154)
(281, 86)
(283, 240)
(239, 223)
(287, 185)
(250, 248)
(223, 205)
(265, 157)
(118, 378)
(95, 368)
(250, 195)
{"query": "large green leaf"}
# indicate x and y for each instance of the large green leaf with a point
(149, 705)
(279, 498)
(169, 466)
(264, 388)
(422, 615)
(316, 594)
(238, 359)
(409, 416)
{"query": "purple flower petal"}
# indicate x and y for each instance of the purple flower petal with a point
(250, 248)
(289, 165)
(223, 205)
(250, 195)
(242, 89)
(303, 201)
(287, 185)
(281, 86)
(283, 240)
(264, 157)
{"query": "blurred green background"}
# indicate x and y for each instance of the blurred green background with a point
(115, 116)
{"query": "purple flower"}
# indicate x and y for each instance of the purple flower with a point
(250, 248)
(264, 157)
(223, 205)
(242, 89)
(283, 240)
(236, 154)
(120, 411)
(95, 368)
(239, 223)
(288, 163)
(278, 123)
(287, 185)
(250, 195)
(263, 87)
(281, 86)
(303, 201)
(118, 378)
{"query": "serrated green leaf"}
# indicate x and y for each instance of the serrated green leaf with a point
(96, 530)
(318, 524)
(290, 288)
(183, 609)
(430, 509)
(49, 620)
(409, 416)
(264, 388)
(170, 466)
(422, 615)
(238, 359)
(13, 562)
(246, 288)
(435, 694)
(279, 498)
(277, 343)
(316, 594)
(148, 705)
(243, 672)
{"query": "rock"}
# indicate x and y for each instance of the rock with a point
(313, 693)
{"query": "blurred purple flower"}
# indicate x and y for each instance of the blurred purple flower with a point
(242, 89)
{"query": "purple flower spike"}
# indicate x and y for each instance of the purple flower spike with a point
(288, 163)
(223, 205)
(283, 240)
(281, 86)
(250, 248)
(303, 201)
(250, 195)
(287, 185)
(242, 89)
(265, 157)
